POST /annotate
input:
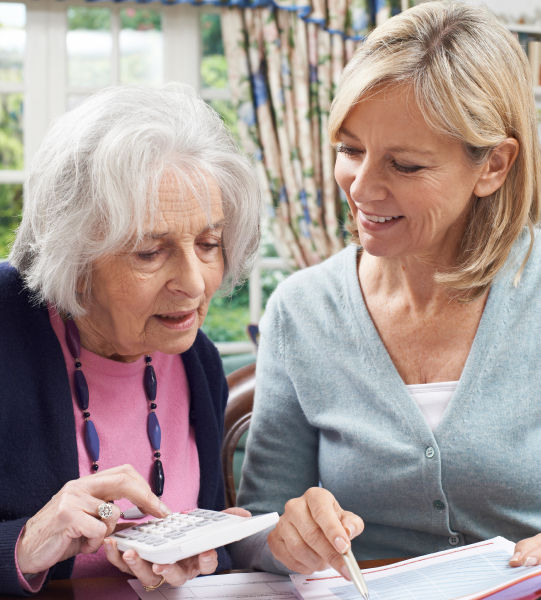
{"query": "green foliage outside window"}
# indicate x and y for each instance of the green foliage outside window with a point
(11, 206)
(214, 71)
(228, 316)
(211, 34)
(99, 19)
(11, 157)
(11, 133)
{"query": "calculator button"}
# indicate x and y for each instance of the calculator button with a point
(153, 539)
(176, 535)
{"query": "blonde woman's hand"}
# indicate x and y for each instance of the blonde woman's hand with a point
(527, 552)
(314, 532)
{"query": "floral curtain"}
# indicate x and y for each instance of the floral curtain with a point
(284, 62)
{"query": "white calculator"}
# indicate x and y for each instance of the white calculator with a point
(179, 535)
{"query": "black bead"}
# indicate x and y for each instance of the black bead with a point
(81, 389)
(148, 359)
(158, 477)
(77, 364)
(157, 455)
(153, 405)
(150, 383)
(95, 467)
(86, 414)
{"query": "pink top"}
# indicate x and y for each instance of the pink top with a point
(118, 408)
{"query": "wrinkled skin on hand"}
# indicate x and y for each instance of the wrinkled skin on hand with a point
(69, 523)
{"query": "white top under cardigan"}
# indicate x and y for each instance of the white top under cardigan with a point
(432, 399)
(330, 407)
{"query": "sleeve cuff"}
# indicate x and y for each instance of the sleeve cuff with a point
(30, 583)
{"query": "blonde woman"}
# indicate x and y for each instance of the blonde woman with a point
(398, 383)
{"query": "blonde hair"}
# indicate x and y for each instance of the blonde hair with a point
(94, 181)
(472, 81)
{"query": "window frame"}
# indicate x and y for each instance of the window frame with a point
(46, 57)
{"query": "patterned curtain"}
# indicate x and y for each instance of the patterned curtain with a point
(284, 63)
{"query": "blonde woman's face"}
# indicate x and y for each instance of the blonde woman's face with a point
(408, 188)
(157, 296)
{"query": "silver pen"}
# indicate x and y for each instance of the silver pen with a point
(356, 575)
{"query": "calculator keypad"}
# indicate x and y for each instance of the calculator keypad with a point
(180, 535)
(173, 527)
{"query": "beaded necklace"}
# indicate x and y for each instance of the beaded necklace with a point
(92, 441)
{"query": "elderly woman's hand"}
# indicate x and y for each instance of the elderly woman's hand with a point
(69, 523)
(314, 532)
(175, 574)
(527, 552)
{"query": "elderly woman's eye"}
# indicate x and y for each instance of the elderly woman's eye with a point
(211, 245)
(406, 168)
(148, 255)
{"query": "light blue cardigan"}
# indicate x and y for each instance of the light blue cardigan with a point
(331, 407)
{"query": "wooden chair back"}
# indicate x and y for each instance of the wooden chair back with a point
(238, 413)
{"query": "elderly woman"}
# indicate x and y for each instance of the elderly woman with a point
(398, 382)
(138, 208)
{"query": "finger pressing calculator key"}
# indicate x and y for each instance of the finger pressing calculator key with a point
(180, 535)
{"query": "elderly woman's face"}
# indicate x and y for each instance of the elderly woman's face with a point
(156, 296)
(409, 188)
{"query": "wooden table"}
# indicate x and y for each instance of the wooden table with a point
(98, 588)
(116, 588)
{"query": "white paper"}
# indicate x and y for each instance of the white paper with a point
(467, 572)
(260, 586)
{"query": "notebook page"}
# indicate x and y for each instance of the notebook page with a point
(466, 573)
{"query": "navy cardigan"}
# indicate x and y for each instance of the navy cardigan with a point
(38, 452)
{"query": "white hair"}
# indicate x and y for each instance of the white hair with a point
(93, 185)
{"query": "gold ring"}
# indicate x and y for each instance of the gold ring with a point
(151, 588)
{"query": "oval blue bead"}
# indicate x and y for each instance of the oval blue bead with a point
(92, 440)
(158, 477)
(72, 339)
(81, 389)
(154, 431)
(150, 382)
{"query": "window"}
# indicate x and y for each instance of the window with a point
(53, 54)
(12, 49)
